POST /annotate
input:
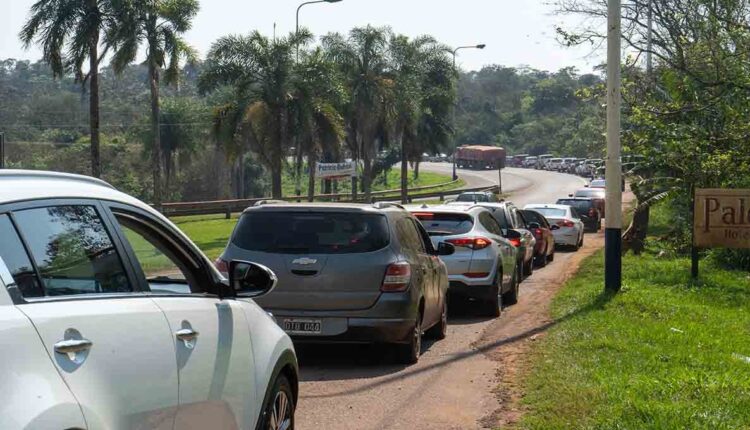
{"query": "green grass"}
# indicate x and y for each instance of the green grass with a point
(394, 182)
(209, 232)
(665, 353)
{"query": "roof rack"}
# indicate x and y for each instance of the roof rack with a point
(269, 202)
(385, 205)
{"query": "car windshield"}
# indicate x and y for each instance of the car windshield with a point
(581, 205)
(592, 193)
(474, 197)
(598, 183)
(445, 224)
(311, 232)
(551, 212)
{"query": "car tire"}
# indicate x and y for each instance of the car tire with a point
(440, 330)
(579, 245)
(495, 302)
(511, 297)
(541, 261)
(408, 353)
(530, 267)
(278, 413)
(551, 257)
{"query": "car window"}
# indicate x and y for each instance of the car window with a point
(488, 222)
(311, 232)
(445, 224)
(551, 212)
(426, 242)
(72, 250)
(517, 220)
(578, 205)
(164, 272)
(474, 197)
(17, 260)
(502, 220)
(408, 235)
(574, 213)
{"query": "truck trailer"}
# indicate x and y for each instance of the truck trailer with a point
(480, 157)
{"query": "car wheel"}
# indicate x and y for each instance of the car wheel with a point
(541, 261)
(495, 302)
(511, 297)
(551, 257)
(529, 270)
(579, 244)
(278, 414)
(409, 353)
(440, 330)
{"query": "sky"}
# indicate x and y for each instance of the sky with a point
(516, 32)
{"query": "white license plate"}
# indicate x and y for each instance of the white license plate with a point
(300, 326)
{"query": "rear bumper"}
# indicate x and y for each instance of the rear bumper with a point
(482, 292)
(567, 237)
(364, 331)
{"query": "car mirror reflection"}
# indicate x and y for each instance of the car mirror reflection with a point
(251, 279)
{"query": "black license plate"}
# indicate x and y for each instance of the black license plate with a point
(302, 326)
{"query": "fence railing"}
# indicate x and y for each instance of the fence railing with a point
(228, 207)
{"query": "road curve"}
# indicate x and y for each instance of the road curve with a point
(452, 386)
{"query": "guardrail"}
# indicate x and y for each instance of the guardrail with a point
(228, 207)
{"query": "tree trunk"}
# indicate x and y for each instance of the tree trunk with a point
(298, 170)
(311, 158)
(241, 193)
(416, 170)
(404, 174)
(367, 174)
(156, 156)
(276, 178)
(96, 163)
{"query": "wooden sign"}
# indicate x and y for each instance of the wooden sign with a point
(722, 218)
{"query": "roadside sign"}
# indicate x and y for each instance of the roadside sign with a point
(335, 170)
(722, 218)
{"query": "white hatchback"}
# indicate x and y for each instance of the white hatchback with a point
(567, 218)
(111, 318)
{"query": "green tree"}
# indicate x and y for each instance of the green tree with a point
(160, 25)
(69, 32)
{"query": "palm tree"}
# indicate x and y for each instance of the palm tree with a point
(261, 115)
(69, 32)
(160, 24)
(362, 58)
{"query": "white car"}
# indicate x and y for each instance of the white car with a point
(111, 318)
(567, 218)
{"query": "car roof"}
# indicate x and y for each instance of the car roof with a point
(327, 207)
(452, 208)
(583, 199)
(24, 185)
(543, 206)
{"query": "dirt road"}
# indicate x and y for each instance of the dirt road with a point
(455, 384)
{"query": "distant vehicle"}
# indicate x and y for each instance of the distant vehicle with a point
(570, 231)
(543, 160)
(478, 197)
(518, 160)
(598, 183)
(348, 273)
(112, 319)
(510, 218)
(567, 165)
(554, 164)
(537, 224)
(480, 157)
(484, 264)
(588, 210)
(530, 162)
(595, 194)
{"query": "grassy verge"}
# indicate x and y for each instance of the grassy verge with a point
(393, 182)
(665, 353)
(209, 232)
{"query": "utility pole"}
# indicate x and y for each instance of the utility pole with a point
(613, 176)
(455, 52)
(2, 150)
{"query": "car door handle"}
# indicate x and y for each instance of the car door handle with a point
(72, 346)
(186, 334)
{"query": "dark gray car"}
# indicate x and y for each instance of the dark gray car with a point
(347, 273)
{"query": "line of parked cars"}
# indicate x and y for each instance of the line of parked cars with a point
(116, 320)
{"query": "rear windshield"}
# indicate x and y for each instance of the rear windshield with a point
(532, 216)
(581, 205)
(311, 232)
(551, 212)
(472, 198)
(445, 224)
(590, 193)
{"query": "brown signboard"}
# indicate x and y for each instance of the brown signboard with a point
(722, 218)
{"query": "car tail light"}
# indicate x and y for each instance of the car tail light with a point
(538, 232)
(515, 241)
(221, 265)
(592, 212)
(471, 242)
(565, 223)
(397, 277)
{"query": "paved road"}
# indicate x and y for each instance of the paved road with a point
(451, 387)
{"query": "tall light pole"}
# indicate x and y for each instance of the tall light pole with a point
(298, 179)
(455, 52)
(613, 176)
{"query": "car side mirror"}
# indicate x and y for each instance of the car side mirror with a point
(534, 225)
(570, 195)
(586, 186)
(554, 227)
(445, 249)
(250, 279)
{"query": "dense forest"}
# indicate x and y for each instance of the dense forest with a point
(45, 122)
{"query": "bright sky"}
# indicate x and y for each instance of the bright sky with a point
(517, 32)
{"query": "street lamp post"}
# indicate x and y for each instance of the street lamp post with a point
(455, 52)
(613, 175)
(298, 179)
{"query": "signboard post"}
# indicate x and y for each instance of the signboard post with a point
(2, 150)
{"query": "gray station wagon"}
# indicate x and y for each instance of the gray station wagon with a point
(347, 273)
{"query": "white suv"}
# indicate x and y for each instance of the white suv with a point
(110, 318)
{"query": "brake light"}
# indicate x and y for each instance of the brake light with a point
(565, 223)
(592, 212)
(424, 215)
(397, 277)
(515, 241)
(538, 232)
(222, 266)
(474, 243)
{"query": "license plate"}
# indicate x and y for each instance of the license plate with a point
(302, 326)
